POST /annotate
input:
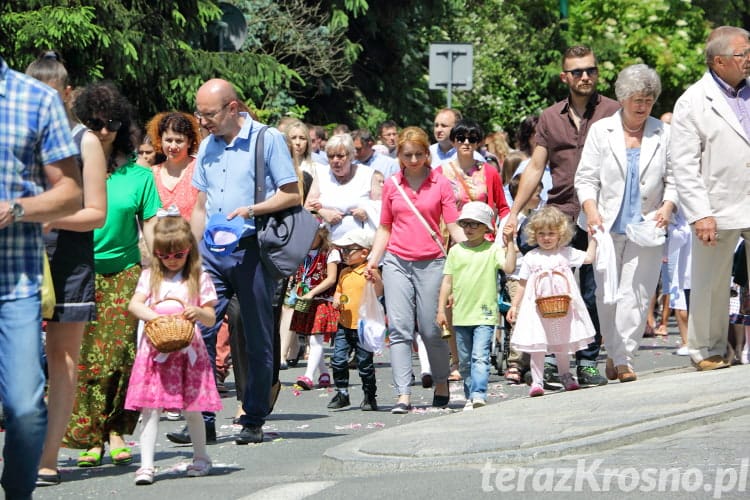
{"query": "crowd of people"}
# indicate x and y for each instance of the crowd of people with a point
(138, 227)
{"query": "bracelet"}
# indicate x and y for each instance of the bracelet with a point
(250, 212)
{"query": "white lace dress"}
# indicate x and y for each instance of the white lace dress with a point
(532, 332)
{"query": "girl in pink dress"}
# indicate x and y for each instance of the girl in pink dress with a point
(181, 380)
(547, 271)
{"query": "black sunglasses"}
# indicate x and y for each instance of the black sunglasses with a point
(473, 139)
(97, 124)
(578, 72)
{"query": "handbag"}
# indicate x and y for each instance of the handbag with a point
(433, 234)
(48, 291)
(284, 237)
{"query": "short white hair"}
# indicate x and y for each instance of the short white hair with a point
(637, 79)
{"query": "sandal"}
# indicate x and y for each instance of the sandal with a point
(89, 458)
(513, 375)
(304, 383)
(200, 467)
(454, 376)
(122, 460)
(324, 380)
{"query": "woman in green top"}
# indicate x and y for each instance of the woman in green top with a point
(108, 348)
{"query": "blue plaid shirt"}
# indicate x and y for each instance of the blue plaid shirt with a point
(34, 132)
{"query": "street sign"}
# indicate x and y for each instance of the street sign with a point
(451, 67)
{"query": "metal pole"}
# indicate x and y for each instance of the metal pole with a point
(450, 77)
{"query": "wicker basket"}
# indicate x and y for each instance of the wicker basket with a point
(170, 332)
(303, 305)
(552, 306)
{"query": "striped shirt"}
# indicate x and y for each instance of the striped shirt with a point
(34, 132)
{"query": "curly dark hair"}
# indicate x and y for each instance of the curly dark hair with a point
(104, 101)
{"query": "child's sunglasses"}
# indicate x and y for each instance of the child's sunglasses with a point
(175, 255)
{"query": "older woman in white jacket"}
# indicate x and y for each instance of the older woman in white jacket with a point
(625, 177)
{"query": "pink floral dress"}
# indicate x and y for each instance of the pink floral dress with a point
(181, 380)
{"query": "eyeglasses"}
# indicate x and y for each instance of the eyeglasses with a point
(578, 72)
(176, 255)
(349, 250)
(96, 124)
(337, 156)
(469, 223)
(211, 115)
(473, 139)
(742, 55)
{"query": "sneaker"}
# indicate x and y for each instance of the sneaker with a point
(551, 377)
(589, 376)
(304, 383)
(683, 351)
(250, 434)
(173, 416)
(536, 391)
(469, 406)
(340, 400)
(369, 403)
(324, 380)
(144, 476)
(183, 435)
(478, 403)
(199, 468)
(568, 382)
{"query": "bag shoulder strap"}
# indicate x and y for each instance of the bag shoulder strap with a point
(260, 166)
(421, 219)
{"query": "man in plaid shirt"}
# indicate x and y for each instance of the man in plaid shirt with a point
(39, 182)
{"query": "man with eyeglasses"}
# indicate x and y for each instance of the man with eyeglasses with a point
(225, 178)
(37, 153)
(710, 148)
(561, 134)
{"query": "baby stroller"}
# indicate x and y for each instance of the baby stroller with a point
(501, 340)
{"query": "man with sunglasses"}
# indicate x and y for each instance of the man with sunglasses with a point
(225, 178)
(37, 151)
(561, 134)
(710, 147)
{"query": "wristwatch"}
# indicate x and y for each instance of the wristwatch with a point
(17, 211)
(250, 212)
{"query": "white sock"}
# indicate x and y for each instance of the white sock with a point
(197, 429)
(149, 431)
(315, 357)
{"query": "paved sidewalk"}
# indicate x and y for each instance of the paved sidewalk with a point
(525, 430)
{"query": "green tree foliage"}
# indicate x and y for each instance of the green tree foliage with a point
(389, 75)
(668, 35)
(517, 46)
(149, 48)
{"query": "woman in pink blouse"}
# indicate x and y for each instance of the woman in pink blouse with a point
(413, 262)
(177, 135)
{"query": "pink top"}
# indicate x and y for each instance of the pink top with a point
(183, 195)
(434, 199)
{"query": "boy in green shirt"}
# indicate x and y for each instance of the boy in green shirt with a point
(469, 277)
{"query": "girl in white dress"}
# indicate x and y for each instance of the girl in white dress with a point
(547, 270)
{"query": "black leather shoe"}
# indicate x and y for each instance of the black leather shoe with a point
(369, 403)
(440, 401)
(340, 400)
(183, 435)
(250, 434)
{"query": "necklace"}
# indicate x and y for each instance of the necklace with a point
(631, 130)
